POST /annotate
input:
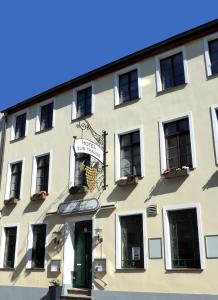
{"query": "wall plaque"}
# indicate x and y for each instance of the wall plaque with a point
(78, 206)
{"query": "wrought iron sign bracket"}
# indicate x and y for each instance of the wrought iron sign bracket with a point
(100, 152)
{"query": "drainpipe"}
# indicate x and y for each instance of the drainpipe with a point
(3, 120)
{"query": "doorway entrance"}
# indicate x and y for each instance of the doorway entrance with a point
(83, 255)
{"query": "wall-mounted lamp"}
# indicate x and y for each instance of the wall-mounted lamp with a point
(57, 237)
(98, 234)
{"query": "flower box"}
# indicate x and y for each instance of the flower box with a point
(39, 196)
(11, 201)
(80, 189)
(176, 172)
(127, 180)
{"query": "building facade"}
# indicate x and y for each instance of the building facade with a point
(141, 222)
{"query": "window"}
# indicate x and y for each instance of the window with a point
(130, 241)
(171, 69)
(211, 54)
(128, 86)
(178, 144)
(20, 126)
(46, 116)
(214, 115)
(80, 178)
(84, 102)
(213, 51)
(182, 233)
(130, 159)
(129, 152)
(38, 248)
(10, 247)
(16, 171)
(42, 176)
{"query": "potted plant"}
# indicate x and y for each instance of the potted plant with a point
(79, 189)
(39, 196)
(176, 172)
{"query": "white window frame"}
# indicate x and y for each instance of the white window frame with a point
(164, 55)
(163, 159)
(34, 171)
(2, 243)
(8, 180)
(116, 82)
(38, 113)
(30, 244)
(13, 125)
(74, 102)
(118, 237)
(167, 246)
(207, 39)
(117, 149)
(214, 109)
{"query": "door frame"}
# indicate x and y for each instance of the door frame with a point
(69, 247)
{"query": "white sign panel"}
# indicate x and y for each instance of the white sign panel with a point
(78, 206)
(88, 147)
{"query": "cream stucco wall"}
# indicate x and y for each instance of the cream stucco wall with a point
(200, 187)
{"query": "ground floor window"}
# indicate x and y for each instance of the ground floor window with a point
(131, 244)
(10, 246)
(182, 238)
(38, 249)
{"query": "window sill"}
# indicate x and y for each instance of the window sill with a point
(124, 181)
(7, 269)
(172, 89)
(125, 103)
(44, 130)
(78, 190)
(130, 269)
(185, 270)
(17, 140)
(82, 117)
(212, 76)
(36, 269)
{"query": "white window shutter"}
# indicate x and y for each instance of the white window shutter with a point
(29, 248)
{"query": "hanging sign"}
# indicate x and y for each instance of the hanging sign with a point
(78, 206)
(88, 147)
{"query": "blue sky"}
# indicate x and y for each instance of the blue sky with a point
(47, 42)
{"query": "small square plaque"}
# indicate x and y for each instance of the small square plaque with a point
(211, 242)
(155, 248)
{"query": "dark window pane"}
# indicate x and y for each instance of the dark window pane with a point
(10, 246)
(130, 156)
(84, 102)
(38, 250)
(213, 49)
(184, 239)
(20, 126)
(172, 71)
(178, 144)
(81, 160)
(42, 173)
(128, 86)
(132, 252)
(46, 116)
(178, 69)
(16, 170)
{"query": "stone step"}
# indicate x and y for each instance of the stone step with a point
(76, 297)
(76, 291)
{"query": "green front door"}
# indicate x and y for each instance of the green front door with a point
(83, 255)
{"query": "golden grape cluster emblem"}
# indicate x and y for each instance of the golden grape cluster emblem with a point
(91, 176)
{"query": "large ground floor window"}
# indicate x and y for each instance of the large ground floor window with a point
(130, 241)
(182, 238)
